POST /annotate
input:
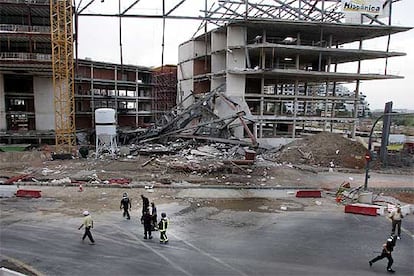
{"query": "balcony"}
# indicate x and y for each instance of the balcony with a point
(39, 2)
(13, 28)
(11, 56)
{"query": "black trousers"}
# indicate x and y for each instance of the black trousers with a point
(88, 233)
(147, 230)
(396, 223)
(382, 256)
(126, 213)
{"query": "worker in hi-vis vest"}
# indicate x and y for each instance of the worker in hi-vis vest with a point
(162, 227)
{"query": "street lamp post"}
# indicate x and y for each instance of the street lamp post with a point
(368, 157)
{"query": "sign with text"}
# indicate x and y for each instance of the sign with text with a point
(372, 7)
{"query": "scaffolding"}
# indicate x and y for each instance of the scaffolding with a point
(164, 90)
(62, 65)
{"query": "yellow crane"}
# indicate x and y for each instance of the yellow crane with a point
(61, 15)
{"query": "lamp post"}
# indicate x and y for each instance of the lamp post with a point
(368, 156)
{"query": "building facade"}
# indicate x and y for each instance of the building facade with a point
(283, 73)
(27, 112)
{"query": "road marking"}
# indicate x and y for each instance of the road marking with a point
(22, 264)
(357, 218)
(208, 255)
(173, 264)
(408, 232)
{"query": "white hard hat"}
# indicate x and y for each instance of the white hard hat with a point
(85, 213)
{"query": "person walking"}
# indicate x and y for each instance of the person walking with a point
(126, 205)
(145, 204)
(162, 227)
(88, 223)
(396, 217)
(154, 216)
(388, 247)
(146, 220)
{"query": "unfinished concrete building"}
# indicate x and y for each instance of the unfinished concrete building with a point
(281, 64)
(27, 113)
(125, 88)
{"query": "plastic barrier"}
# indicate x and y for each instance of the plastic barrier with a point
(362, 210)
(309, 193)
(119, 181)
(28, 193)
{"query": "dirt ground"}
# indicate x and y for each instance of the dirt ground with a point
(303, 163)
(104, 180)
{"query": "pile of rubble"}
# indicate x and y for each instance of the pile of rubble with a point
(324, 149)
(186, 156)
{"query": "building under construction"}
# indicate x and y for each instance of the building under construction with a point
(281, 63)
(27, 113)
(277, 62)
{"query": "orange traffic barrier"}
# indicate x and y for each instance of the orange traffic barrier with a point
(309, 193)
(362, 210)
(28, 193)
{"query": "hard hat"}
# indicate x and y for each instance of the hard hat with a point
(85, 213)
(163, 215)
(125, 195)
(390, 239)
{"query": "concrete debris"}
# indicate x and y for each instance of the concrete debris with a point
(324, 149)
(199, 121)
(61, 181)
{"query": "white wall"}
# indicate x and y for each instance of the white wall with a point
(185, 70)
(216, 81)
(44, 103)
(184, 89)
(235, 36)
(218, 41)
(218, 62)
(235, 84)
(200, 48)
(3, 124)
(185, 51)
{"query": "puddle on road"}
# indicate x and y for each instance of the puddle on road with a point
(251, 204)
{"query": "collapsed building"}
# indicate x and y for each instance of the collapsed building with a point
(282, 64)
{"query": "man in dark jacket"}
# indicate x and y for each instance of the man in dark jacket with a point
(145, 204)
(154, 216)
(388, 247)
(146, 219)
(126, 204)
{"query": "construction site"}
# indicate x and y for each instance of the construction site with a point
(258, 130)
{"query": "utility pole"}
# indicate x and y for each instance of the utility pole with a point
(368, 156)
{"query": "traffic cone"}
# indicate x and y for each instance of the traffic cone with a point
(80, 188)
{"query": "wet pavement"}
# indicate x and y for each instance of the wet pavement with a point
(220, 232)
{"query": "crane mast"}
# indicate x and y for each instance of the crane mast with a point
(61, 15)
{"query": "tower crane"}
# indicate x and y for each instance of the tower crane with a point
(61, 15)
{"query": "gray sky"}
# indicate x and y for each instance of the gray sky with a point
(141, 43)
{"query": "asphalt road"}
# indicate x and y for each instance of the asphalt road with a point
(207, 241)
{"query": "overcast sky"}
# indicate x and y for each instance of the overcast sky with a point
(141, 44)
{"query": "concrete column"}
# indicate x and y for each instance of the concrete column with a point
(261, 107)
(356, 99)
(235, 84)
(3, 123)
(137, 98)
(295, 109)
(44, 103)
